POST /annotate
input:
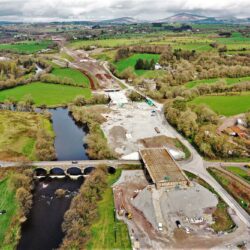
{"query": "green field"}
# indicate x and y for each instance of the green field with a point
(228, 81)
(186, 42)
(78, 77)
(106, 43)
(226, 105)
(103, 236)
(27, 47)
(244, 174)
(18, 132)
(7, 202)
(115, 41)
(45, 93)
(235, 42)
(236, 38)
(131, 61)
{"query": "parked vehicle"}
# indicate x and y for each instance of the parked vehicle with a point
(160, 227)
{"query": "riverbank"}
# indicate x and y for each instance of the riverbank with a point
(107, 232)
(96, 142)
(16, 199)
(92, 212)
(25, 136)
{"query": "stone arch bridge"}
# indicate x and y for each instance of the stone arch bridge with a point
(80, 168)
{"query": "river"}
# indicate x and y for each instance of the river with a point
(42, 230)
(69, 136)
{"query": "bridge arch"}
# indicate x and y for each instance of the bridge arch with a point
(111, 170)
(74, 171)
(88, 170)
(40, 172)
(57, 171)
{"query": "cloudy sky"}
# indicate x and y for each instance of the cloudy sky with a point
(50, 10)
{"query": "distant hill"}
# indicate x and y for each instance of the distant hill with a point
(121, 20)
(192, 18)
(8, 23)
(183, 18)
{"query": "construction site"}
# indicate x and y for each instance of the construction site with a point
(127, 124)
(164, 218)
(162, 208)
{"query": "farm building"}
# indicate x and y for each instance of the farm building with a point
(162, 168)
(239, 131)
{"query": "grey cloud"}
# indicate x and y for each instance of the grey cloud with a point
(43, 10)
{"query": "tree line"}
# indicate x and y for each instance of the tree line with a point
(199, 124)
(96, 142)
(83, 211)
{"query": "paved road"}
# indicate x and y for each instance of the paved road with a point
(69, 163)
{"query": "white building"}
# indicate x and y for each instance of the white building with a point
(158, 66)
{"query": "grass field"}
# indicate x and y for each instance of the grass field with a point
(125, 40)
(196, 42)
(228, 81)
(244, 174)
(131, 61)
(103, 236)
(7, 202)
(78, 77)
(18, 134)
(45, 93)
(235, 42)
(106, 43)
(27, 47)
(226, 105)
(186, 41)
